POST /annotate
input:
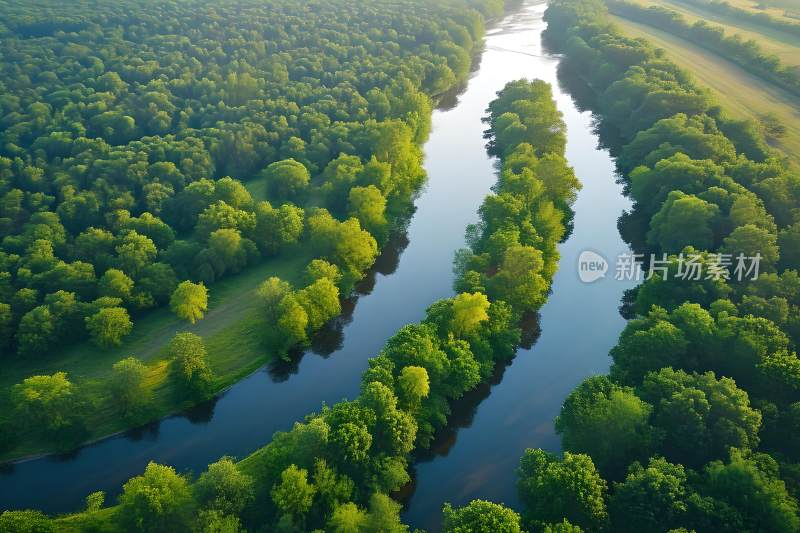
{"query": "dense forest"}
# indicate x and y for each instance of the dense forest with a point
(131, 140)
(149, 151)
(336, 469)
(695, 427)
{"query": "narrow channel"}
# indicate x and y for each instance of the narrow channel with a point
(477, 457)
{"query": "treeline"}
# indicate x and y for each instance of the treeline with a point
(747, 54)
(747, 15)
(126, 134)
(695, 427)
(335, 469)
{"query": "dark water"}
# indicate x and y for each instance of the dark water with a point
(578, 325)
(478, 455)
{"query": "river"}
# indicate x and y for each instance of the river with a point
(478, 455)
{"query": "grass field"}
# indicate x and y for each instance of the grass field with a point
(781, 44)
(231, 330)
(740, 92)
(786, 9)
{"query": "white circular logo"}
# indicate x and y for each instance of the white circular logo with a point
(591, 266)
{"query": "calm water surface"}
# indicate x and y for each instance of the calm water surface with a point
(477, 456)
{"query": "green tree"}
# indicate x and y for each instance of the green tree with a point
(95, 501)
(469, 311)
(25, 522)
(789, 245)
(158, 500)
(36, 331)
(347, 518)
(683, 220)
(599, 407)
(277, 228)
(228, 250)
(351, 441)
(753, 487)
(749, 240)
(51, 405)
(292, 324)
(320, 301)
(330, 488)
(286, 180)
(702, 417)
(553, 488)
(189, 301)
(519, 279)
(216, 522)
(319, 268)
(562, 527)
(6, 327)
(480, 517)
(116, 284)
(271, 292)
(224, 488)
(384, 515)
(109, 326)
(134, 253)
(293, 494)
(128, 386)
(189, 364)
(414, 384)
(652, 499)
(640, 351)
(368, 205)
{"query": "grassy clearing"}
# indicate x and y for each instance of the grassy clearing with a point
(230, 330)
(739, 92)
(785, 9)
(781, 44)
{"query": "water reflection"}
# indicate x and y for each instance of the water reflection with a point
(476, 456)
(413, 271)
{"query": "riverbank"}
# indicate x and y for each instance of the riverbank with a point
(409, 275)
(744, 94)
(231, 329)
(477, 456)
(363, 444)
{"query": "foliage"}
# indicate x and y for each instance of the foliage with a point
(50, 405)
(158, 500)
(224, 488)
(189, 364)
(189, 301)
(25, 522)
(336, 468)
(128, 387)
(293, 495)
(553, 489)
(480, 517)
(109, 326)
(598, 406)
(706, 362)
